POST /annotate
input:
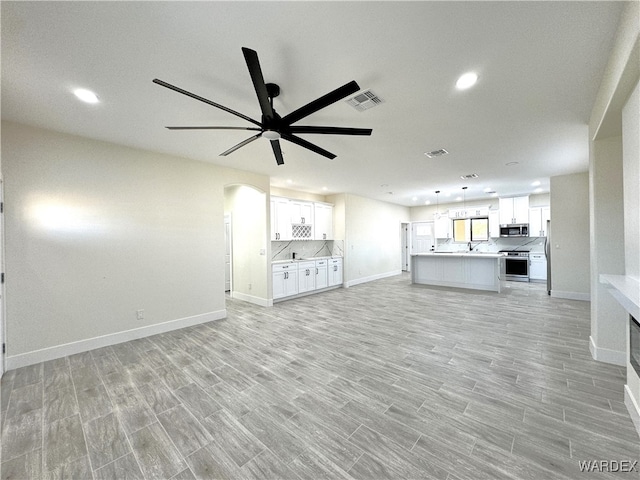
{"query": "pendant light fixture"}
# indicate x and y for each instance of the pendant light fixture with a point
(464, 189)
(437, 204)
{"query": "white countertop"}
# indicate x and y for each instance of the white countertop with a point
(460, 254)
(626, 290)
(298, 260)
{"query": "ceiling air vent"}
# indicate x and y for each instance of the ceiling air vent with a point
(469, 177)
(364, 101)
(436, 153)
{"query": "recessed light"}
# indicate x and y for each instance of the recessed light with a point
(467, 80)
(414, 198)
(538, 190)
(325, 189)
(458, 199)
(428, 202)
(436, 153)
(85, 95)
(511, 164)
(536, 183)
(289, 181)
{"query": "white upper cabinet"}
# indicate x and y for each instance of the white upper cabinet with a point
(514, 210)
(494, 223)
(323, 221)
(442, 225)
(538, 217)
(301, 212)
(280, 219)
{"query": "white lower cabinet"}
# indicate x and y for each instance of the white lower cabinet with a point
(293, 278)
(285, 280)
(537, 266)
(306, 276)
(322, 279)
(335, 271)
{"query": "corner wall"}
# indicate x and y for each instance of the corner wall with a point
(95, 232)
(372, 239)
(570, 236)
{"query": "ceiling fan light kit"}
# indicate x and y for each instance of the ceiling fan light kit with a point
(271, 126)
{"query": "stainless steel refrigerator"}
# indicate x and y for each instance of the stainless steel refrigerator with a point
(547, 253)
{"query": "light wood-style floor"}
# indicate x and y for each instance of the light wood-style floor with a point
(384, 380)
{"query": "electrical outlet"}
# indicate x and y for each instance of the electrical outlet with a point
(140, 314)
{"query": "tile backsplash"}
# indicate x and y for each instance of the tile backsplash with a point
(284, 250)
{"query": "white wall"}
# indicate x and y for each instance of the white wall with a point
(96, 231)
(614, 122)
(631, 168)
(570, 236)
(372, 239)
(608, 340)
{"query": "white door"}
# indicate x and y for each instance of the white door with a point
(227, 252)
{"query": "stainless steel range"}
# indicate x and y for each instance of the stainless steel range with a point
(516, 265)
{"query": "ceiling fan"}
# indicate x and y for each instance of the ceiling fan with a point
(272, 126)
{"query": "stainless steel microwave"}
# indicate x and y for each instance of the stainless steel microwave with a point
(514, 230)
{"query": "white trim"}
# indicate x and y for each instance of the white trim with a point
(586, 297)
(59, 351)
(606, 355)
(632, 407)
(263, 302)
(371, 278)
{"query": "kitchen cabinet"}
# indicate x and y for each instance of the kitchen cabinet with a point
(285, 280)
(514, 210)
(537, 267)
(280, 219)
(322, 274)
(322, 221)
(494, 223)
(538, 217)
(469, 212)
(301, 212)
(442, 225)
(335, 272)
(306, 276)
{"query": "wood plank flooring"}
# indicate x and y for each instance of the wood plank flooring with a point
(384, 380)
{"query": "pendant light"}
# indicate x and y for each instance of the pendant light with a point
(464, 207)
(437, 204)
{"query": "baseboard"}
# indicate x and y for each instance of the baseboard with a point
(263, 302)
(585, 297)
(606, 355)
(633, 408)
(59, 351)
(371, 278)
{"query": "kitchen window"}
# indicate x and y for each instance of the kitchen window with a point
(471, 229)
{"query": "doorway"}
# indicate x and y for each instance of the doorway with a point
(227, 252)
(405, 238)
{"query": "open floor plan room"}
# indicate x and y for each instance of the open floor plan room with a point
(381, 380)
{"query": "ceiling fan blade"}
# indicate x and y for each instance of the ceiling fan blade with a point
(241, 144)
(275, 144)
(208, 102)
(308, 145)
(251, 57)
(329, 130)
(215, 128)
(320, 103)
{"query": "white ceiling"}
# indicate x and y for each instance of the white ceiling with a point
(539, 67)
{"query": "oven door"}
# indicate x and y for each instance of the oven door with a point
(517, 268)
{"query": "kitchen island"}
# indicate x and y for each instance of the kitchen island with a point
(477, 271)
